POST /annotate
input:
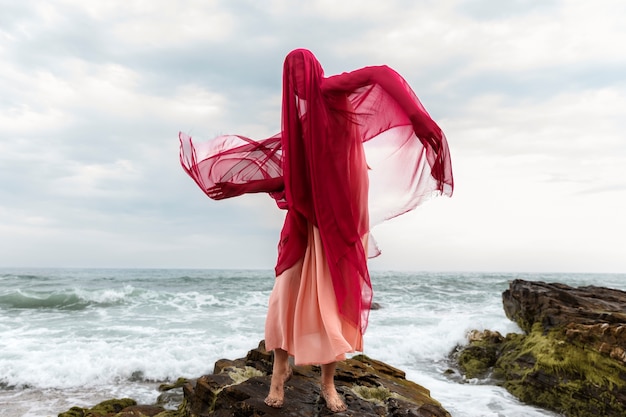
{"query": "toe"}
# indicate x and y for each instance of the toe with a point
(274, 402)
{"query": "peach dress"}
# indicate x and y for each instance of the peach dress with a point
(303, 318)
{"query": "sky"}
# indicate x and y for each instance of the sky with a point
(531, 96)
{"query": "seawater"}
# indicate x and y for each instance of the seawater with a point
(75, 337)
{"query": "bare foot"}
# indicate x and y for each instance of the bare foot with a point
(276, 396)
(332, 398)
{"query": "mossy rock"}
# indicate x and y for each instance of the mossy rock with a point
(376, 395)
(74, 412)
(105, 408)
(546, 370)
(180, 382)
(477, 359)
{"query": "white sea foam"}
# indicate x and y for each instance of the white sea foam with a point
(106, 295)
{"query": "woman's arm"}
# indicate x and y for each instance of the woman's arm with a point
(223, 190)
(396, 87)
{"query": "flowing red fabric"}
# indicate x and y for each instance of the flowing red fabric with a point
(355, 149)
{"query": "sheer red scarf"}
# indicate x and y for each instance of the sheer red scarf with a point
(315, 167)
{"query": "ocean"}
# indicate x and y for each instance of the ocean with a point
(75, 337)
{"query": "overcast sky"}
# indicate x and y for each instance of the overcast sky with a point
(531, 95)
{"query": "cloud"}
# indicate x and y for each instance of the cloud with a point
(530, 95)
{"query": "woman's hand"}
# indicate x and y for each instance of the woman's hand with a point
(222, 190)
(427, 130)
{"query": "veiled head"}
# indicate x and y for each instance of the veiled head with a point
(302, 71)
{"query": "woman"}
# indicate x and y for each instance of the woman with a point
(355, 149)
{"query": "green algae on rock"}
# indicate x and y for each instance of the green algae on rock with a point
(103, 409)
(477, 359)
(546, 370)
(570, 359)
(375, 394)
(124, 407)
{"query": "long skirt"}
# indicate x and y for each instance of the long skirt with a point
(303, 318)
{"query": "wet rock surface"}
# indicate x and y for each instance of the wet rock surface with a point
(592, 316)
(238, 388)
(124, 407)
(369, 388)
(571, 357)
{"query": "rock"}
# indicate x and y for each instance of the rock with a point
(124, 407)
(556, 305)
(141, 411)
(478, 358)
(171, 394)
(104, 409)
(238, 388)
(369, 387)
(571, 358)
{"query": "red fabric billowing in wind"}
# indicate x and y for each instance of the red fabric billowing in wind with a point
(316, 169)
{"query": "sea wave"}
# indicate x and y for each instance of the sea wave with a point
(74, 299)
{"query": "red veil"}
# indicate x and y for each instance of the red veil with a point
(315, 168)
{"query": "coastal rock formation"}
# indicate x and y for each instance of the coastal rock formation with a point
(124, 407)
(238, 387)
(592, 316)
(369, 387)
(571, 358)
